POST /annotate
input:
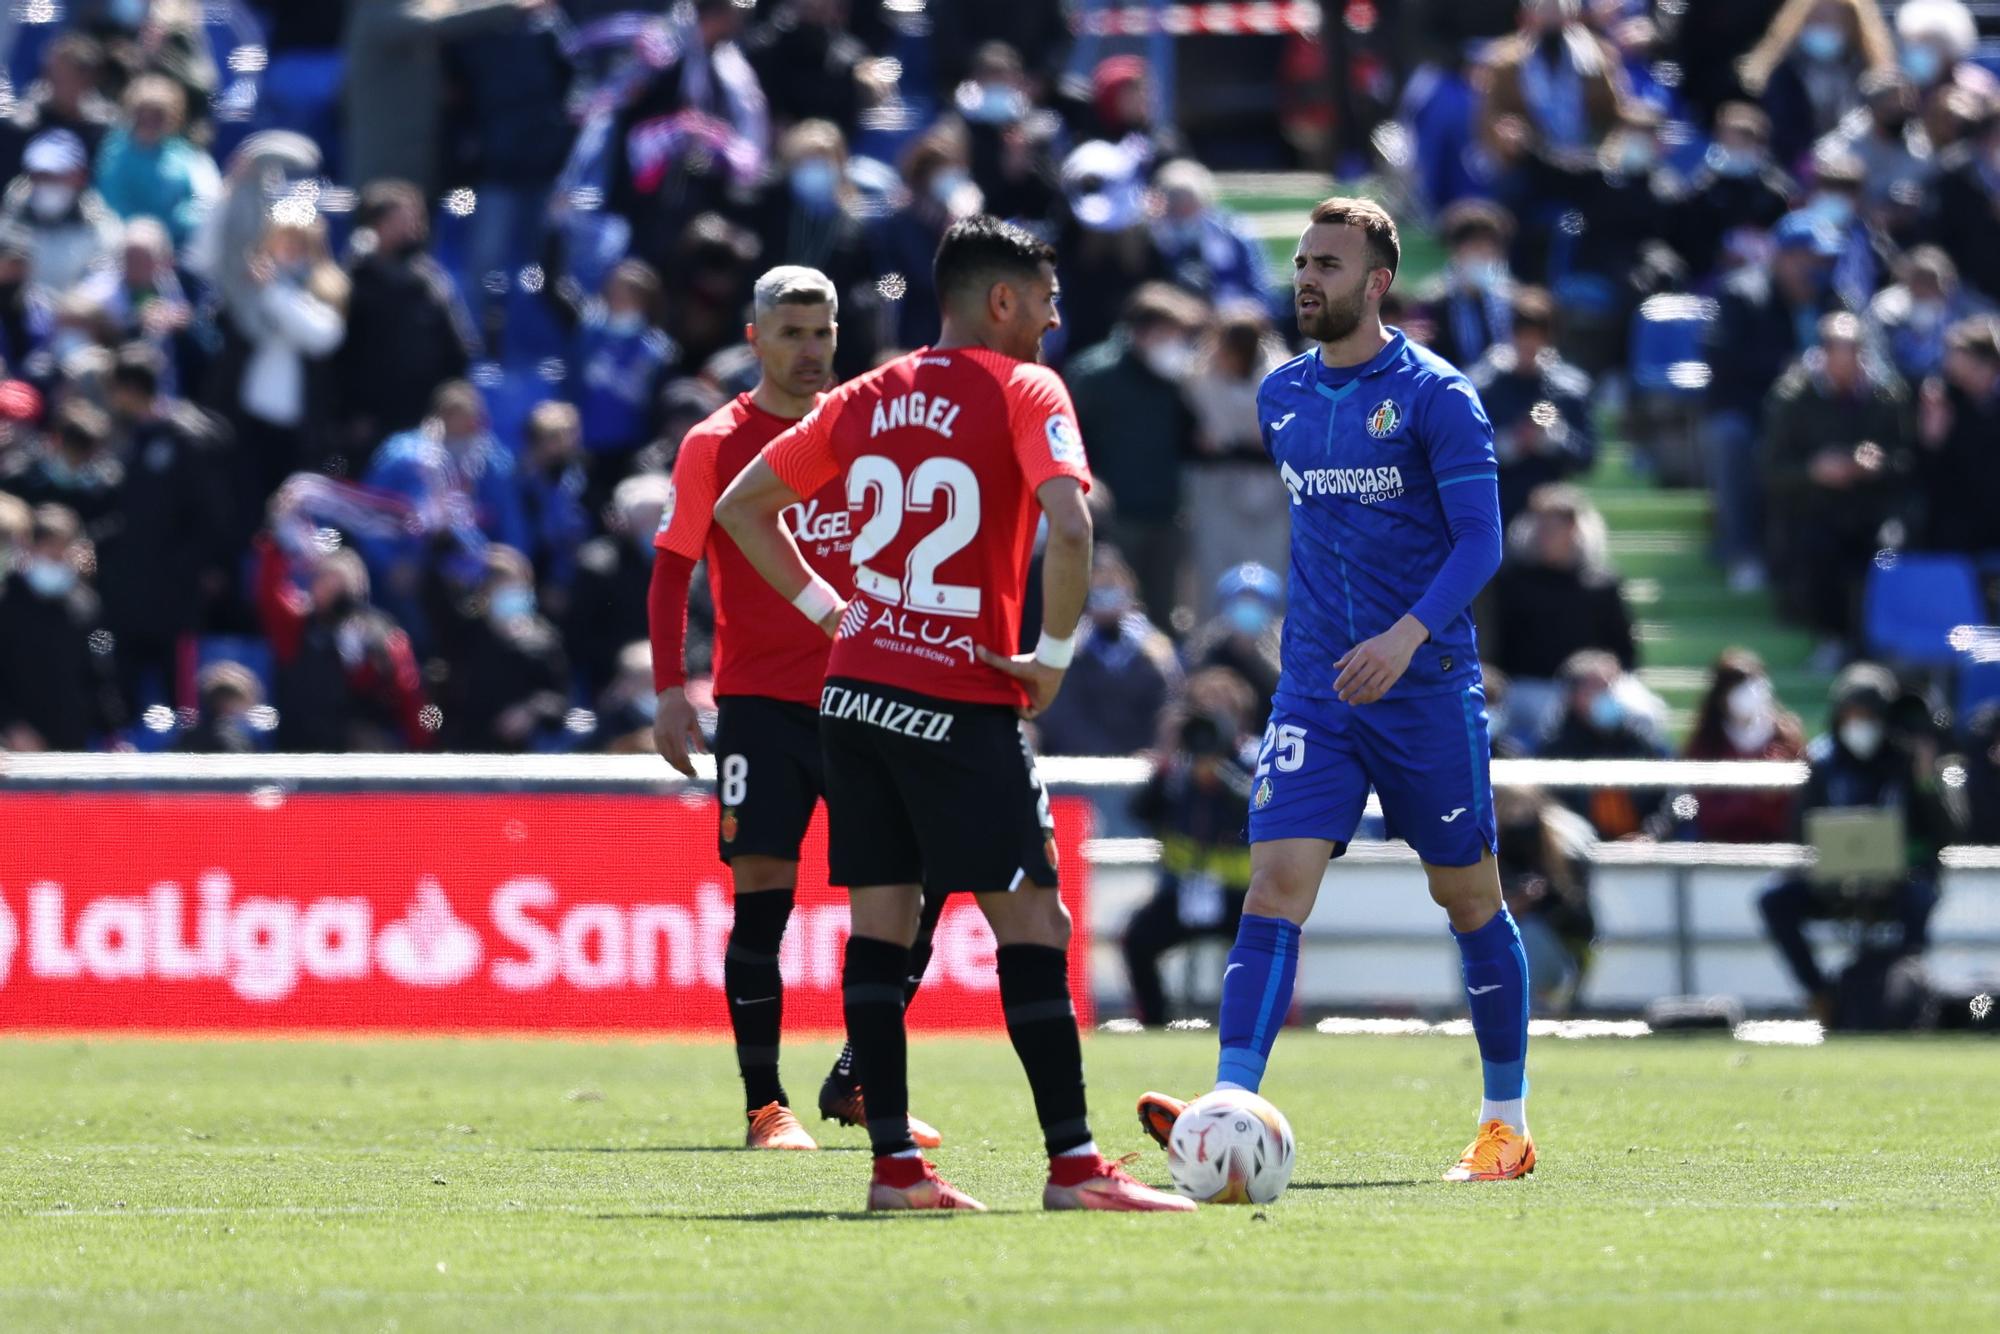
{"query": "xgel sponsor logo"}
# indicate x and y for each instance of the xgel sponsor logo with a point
(810, 524)
(888, 714)
(1367, 485)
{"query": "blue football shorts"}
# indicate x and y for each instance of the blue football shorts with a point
(1427, 758)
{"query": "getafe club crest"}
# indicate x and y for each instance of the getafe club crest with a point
(1384, 420)
(1263, 797)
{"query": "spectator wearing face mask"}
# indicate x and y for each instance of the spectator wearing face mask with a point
(607, 607)
(227, 693)
(619, 357)
(1539, 404)
(1122, 677)
(347, 679)
(462, 489)
(1012, 162)
(937, 191)
(1866, 251)
(507, 689)
(65, 97)
(1907, 323)
(1137, 425)
(147, 168)
(1207, 249)
(1237, 506)
(1553, 88)
(58, 680)
(1736, 196)
(70, 233)
(1606, 714)
(1555, 597)
(627, 707)
(1837, 451)
(1898, 161)
(1105, 249)
(1543, 853)
(407, 330)
(1863, 761)
(552, 490)
(1468, 307)
(809, 214)
(1038, 29)
(1766, 317)
(1938, 38)
(1740, 718)
(1958, 443)
(1807, 66)
(1196, 803)
(1242, 637)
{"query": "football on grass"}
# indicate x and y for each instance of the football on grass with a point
(1231, 1147)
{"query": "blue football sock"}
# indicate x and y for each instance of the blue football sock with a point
(1256, 997)
(1496, 986)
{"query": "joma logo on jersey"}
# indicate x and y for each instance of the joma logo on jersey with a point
(808, 524)
(1367, 485)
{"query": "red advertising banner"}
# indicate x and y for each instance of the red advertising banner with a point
(431, 911)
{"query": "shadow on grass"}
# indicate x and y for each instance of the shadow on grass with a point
(781, 1216)
(1352, 1185)
(681, 1149)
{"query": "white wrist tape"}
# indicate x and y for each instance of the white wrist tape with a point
(1056, 653)
(816, 599)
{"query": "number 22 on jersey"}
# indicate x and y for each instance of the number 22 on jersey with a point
(935, 482)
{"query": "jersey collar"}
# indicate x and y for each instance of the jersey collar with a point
(1391, 353)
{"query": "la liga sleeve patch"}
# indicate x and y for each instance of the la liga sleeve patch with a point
(1065, 441)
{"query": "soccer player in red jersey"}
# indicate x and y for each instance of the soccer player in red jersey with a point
(946, 458)
(768, 668)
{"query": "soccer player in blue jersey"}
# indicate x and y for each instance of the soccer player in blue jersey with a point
(1388, 456)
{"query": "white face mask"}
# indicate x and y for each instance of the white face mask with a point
(50, 201)
(1862, 737)
(1751, 720)
(1170, 359)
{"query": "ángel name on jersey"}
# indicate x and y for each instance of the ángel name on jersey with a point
(916, 408)
(1367, 485)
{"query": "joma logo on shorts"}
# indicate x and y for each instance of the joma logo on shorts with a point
(1368, 485)
(887, 714)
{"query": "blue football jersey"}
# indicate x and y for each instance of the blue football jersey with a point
(1365, 452)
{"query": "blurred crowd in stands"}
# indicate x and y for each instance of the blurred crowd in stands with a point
(347, 345)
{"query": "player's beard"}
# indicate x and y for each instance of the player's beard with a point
(1339, 314)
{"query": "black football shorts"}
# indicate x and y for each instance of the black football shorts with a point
(938, 792)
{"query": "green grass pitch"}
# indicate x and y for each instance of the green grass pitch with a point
(416, 1185)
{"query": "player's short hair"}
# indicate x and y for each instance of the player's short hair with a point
(981, 250)
(793, 285)
(1385, 244)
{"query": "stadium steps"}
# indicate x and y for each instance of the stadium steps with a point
(1683, 610)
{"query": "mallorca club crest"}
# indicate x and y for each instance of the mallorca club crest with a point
(1263, 797)
(1384, 420)
(728, 824)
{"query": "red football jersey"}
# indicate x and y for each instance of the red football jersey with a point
(762, 645)
(939, 454)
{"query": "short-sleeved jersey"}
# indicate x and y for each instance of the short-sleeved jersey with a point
(1365, 454)
(762, 646)
(939, 454)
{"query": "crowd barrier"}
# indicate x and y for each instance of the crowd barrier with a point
(583, 892)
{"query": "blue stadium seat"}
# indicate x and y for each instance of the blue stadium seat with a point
(1914, 601)
(1667, 352)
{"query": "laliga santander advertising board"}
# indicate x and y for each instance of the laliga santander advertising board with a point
(431, 911)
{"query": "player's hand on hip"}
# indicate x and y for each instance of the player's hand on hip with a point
(676, 733)
(831, 621)
(1370, 668)
(1041, 680)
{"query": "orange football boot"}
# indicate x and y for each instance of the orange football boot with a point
(1157, 1114)
(773, 1126)
(1500, 1153)
(848, 1109)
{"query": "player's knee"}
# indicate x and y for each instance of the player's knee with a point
(888, 913)
(1470, 896)
(1028, 916)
